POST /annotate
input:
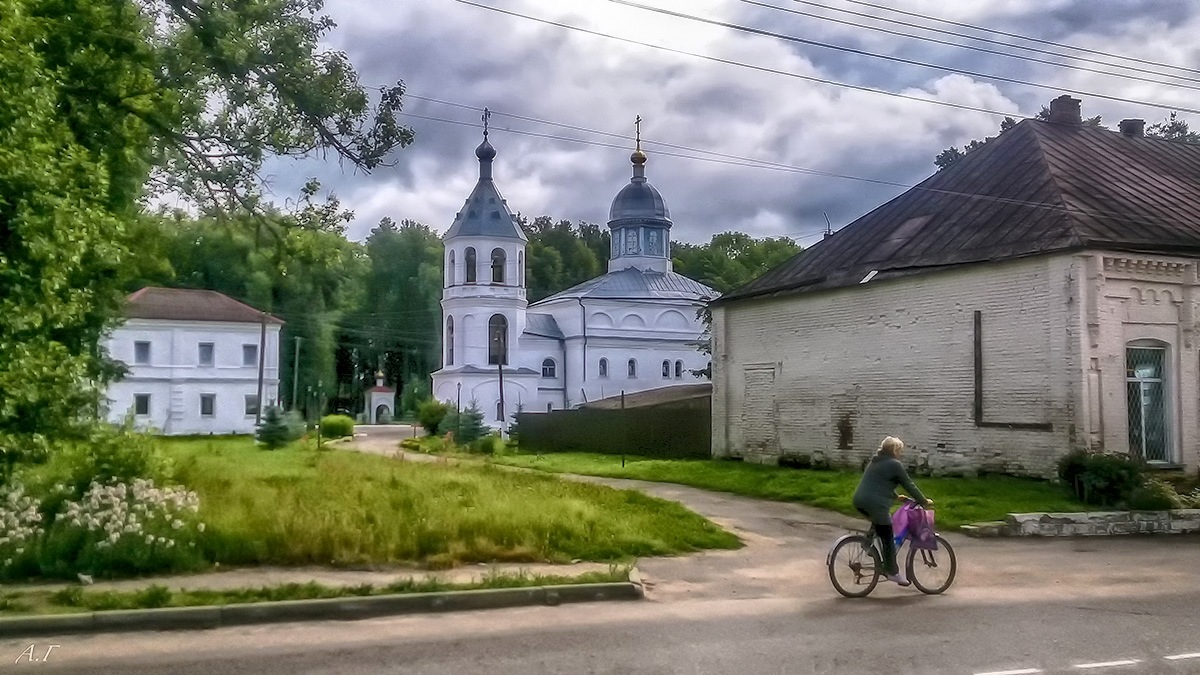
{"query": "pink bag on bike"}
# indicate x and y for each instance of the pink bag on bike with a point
(900, 521)
(920, 529)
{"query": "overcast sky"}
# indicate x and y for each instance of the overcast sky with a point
(473, 57)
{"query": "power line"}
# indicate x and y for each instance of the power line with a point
(984, 50)
(764, 69)
(1021, 37)
(895, 59)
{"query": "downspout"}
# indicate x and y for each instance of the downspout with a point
(583, 323)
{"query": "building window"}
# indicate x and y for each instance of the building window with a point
(206, 353)
(603, 367)
(249, 355)
(1145, 389)
(141, 405)
(549, 407)
(521, 269)
(449, 340)
(469, 263)
(633, 369)
(678, 369)
(548, 369)
(499, 259)
(666, 369)
(498, 340)
(499, 412)
(208, 405)
(141, 353)
(450, 272)
(251, 405)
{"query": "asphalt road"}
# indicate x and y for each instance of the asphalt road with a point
(1117, 605)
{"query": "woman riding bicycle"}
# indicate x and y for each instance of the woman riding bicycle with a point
(877, 492)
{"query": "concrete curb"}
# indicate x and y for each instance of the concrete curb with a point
(344, 609)
(1089, 524)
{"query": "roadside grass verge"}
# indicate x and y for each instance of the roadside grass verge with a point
(957, 501)
(75, 599)
(297, 506)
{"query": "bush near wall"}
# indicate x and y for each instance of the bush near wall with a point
(1118, 480)
(337, 426)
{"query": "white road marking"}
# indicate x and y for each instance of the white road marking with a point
(1024, 671)
(1108, 664)
(1180, 657)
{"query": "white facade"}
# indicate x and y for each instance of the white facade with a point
(632, 329)
(192, 377)
(897, 357)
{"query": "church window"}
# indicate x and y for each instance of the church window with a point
(499, 412)
(666, 369)
(616, 243)
(469, 262)
(631, 241)
(449, 340)
(498, 262)
(549, 407)
(521, 269)
(498, 340)
(548, 369)
(603, 367)
(678, 369)
(633, 369)
(654, 242)
(450, 272)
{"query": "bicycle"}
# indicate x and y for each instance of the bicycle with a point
(923, 566)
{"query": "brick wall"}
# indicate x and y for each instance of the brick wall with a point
(828, 375)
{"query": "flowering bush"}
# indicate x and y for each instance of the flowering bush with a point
(125, 528)
(20, 525)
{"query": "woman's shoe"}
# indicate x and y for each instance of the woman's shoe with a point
(899, 579)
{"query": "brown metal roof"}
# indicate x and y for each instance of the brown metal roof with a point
(1038, 188)
(188, 304)
(651, 397)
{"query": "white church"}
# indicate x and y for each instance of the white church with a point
(632, 329)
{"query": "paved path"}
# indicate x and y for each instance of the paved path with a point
(1122, 605)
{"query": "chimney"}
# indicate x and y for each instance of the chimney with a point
(1065, 110)
(1133, 128)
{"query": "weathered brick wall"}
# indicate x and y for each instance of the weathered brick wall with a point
(830, 374)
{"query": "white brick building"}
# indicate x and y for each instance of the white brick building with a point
(1037, 296)
(193, 359)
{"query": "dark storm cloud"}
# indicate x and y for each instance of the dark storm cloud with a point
(469, 56)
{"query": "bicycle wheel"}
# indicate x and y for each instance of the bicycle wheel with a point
(853, 566)
(932, 572)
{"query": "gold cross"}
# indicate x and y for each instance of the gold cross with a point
(637, 125)
(487, 114)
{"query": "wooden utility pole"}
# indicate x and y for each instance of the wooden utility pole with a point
(296, 372)
(262, 355)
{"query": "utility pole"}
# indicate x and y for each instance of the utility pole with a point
(262, 355)
(296, 373)
(500, 359)
(320, 410)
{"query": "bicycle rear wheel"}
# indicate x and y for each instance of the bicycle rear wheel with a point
(854, 566)
(932, 572)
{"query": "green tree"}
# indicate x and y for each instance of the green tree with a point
(731, 259)
(952, 154)
(1173, 129)
(560, 255)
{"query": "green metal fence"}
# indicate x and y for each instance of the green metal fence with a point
(671, 431)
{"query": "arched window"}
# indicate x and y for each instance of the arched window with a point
(498, 261)
(678, 369)
(449, 340)
(498, 340)
(666, 369)
(499, 412)
(469, 263)
(450, 271)
(548, 369)
(633, 369)
(521, 269)
(603, 367)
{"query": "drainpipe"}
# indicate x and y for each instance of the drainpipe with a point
(583, 323)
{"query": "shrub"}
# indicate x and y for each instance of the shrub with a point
(111, 455)
(431, 414)
(20, 525)
(1190, 500)
(414, 392)
(1154, 495)
(411, 444)
(278, 429)
(467, 426)
(337, 426)
(487, 445)
(1101, 478)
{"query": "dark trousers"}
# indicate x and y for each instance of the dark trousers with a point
(887, 537)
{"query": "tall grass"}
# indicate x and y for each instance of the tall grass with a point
(958, 501)
(338, 507)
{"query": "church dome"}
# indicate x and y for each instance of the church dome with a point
(639, 200)
(485, 151)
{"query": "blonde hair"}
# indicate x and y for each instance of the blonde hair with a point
(891, 446)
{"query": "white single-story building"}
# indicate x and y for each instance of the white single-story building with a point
(1037, 296)
(193, 358)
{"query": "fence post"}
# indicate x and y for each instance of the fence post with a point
(624, 429)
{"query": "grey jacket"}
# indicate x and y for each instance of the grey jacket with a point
(877, 490)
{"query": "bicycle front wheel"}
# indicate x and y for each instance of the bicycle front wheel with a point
(854, 567)
(933, 571)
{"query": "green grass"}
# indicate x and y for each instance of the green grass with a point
(75, 599)
(958, 501)
(338, 507)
